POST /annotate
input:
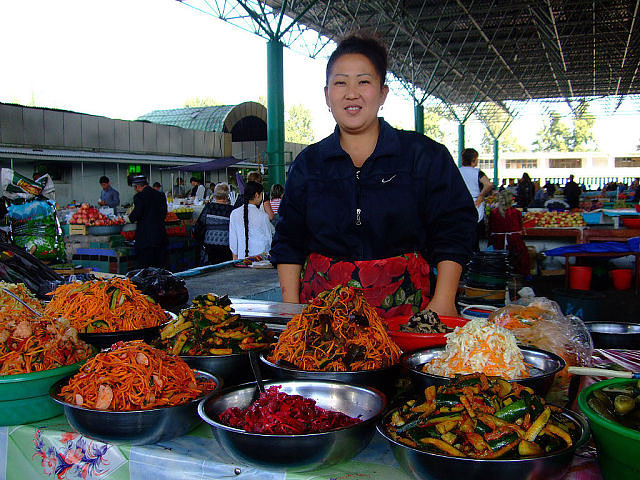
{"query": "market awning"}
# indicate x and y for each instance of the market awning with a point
(215, 164)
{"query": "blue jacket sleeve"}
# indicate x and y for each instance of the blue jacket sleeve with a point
(290, 243)
(451, 217)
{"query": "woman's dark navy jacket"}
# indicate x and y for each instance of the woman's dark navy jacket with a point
(408, 196)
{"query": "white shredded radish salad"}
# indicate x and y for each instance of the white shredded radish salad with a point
(480, 346)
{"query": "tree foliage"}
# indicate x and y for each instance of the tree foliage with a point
(556, 135)
(298, 126)
(433, 117)
(201, 102)
(508, 142)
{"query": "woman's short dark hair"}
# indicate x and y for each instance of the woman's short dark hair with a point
(468, 156)
(363, 44)
(276, 191)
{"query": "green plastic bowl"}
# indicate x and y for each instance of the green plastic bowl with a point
(618, 446)
(25, 398)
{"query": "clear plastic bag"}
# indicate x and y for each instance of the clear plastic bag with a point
(540, 322)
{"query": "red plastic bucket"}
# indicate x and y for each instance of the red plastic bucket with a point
(580, 278)
(621, 278)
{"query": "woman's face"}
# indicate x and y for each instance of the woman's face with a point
(354, 93)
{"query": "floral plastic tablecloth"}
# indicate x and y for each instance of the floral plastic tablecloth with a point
(52, 450)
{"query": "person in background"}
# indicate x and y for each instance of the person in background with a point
(550, 189)
(479, 187)
(540, 197)
(256, 176)
(372, 205)
(213, 233)
(505, 232)
(503, 185)
(250, 230)
(157, 186)
(197, 190)
(210, 192)
(178, 189)
(276, 193)
(109, 196)
(149, 211)
(526, 190)
(572, 193)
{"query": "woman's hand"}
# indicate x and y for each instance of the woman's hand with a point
(446, 308)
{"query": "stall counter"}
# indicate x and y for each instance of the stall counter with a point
(51, 448)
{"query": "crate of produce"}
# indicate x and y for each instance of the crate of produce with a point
(76, 229)
(593, 218)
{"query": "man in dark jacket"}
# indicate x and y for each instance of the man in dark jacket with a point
(572, 193)
(150, 209)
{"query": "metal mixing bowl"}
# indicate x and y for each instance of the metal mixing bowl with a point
(298, 452)
(615, 335)
(434, 466)
(382, 378)
(137, 427)
(233, 369)
(543, 367)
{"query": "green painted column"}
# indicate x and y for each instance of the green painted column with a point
(495, 162)
(275, 112)
(460, 142)
(418, 117)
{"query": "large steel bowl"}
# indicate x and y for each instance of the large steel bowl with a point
(615, 335)
(543, 367)
(433, 466)
(104, 340)
(234, 369)
(137, 427)
(298, 452)
(382, 378)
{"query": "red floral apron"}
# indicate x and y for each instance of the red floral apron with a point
(395, 286)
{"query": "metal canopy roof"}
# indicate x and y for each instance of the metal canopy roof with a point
(465, 52)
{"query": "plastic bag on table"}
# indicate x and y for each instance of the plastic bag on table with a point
(15, 186)
(48, 248)
(31, 210)
(161, 285)
(540, 322)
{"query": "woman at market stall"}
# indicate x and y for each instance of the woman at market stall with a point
(370, 205)
(250, 230)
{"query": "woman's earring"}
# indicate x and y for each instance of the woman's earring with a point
(381, 107)
(329, 108)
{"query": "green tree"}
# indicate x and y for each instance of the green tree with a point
(262, 100)
(553, 136)
(298, 127)
(508, 142)
(583, 122)
(201, 102)
(433, 117)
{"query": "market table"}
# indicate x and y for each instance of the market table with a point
(602, 255)
(51, 448)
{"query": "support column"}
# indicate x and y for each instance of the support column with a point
(495, 162)
(418, 117)
(275, 112)
(460, 142)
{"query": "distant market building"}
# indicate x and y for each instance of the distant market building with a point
(76, 149)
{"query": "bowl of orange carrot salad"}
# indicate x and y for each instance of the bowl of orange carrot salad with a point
(107, 311)
(134, 393)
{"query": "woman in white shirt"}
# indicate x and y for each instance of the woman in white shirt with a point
(250, 230)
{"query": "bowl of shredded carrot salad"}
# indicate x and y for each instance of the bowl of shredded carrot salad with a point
(106, 311)
(338, 336)
(134, 393)
(34, 354)
(483, 347)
